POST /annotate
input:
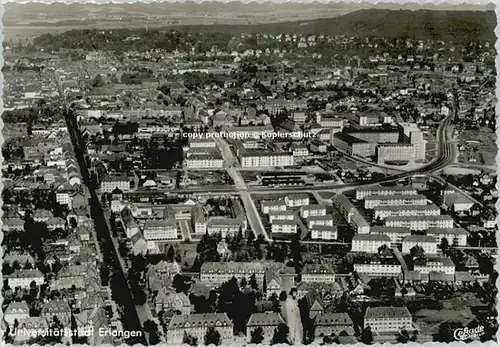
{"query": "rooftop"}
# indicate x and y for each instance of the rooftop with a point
(387, 312)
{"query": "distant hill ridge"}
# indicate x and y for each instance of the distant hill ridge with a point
(420, 24)
(458, 26)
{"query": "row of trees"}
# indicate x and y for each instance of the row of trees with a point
(212, 336)
(40, 114)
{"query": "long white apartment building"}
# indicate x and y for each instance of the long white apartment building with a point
(320, 273)
(272, 205)
(435, 265)
(324, 232)
(223, 226)
(427, 243)
(284, 227)
(281, 215)
(420, 222)
(110, 183)
(203, 142)
(266, 159)
(148, 130)
(205, 161)
(297, 200)
(371, 201)
(378, 269)
(160, 230)
(217, 273)
(455, 236)
(380, 190)
(388, 319)
(396, 234)
(320, 220)
(414, 210)
(312, 210)
(369, 243)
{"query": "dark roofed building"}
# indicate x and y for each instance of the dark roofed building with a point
(330, 323)
(197, 324)
(268, 321)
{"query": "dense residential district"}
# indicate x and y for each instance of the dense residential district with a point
(185, 195)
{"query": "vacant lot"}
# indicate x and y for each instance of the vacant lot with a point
(456, 310)
(480, 145)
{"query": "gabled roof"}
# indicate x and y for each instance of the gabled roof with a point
(17, 307)
(265, 319)
(332, 319)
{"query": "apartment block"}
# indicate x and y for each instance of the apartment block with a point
(372, 201)
(380, 190)
(420, 222)
(415, 210)
(369, 243)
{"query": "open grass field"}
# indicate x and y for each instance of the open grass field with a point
(484, 141)
(456, 309)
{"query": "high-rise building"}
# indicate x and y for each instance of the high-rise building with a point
(415, 136)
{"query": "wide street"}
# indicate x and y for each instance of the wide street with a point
(241, 188)
(133, 322)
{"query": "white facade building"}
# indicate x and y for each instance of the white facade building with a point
(319, 220)
(284, 227)
(205, 161)
(273, 205)
(266, 159)
(428, 243)
(313, 211)
(436, 265)
(420, 222)
(111, 183)
(455, 236)
(372, 201)
(297, 200)
(388, 319)
(380, 190)
(415, 210)
(369, 243)
(281, 215)
(320, 232)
